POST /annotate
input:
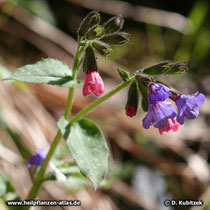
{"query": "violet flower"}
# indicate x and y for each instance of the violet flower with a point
(188, 106)
(172, 124)
(159, 114)
(158, 92)
(93, 84)
(38, 158)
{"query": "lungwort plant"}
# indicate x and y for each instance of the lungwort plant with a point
(84, 139)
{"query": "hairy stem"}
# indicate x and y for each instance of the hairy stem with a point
(76, 66)
(38, 181)
(100, 101)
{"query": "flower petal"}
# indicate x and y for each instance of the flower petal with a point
(158, 92)
(188, 106)
(93, 84)
(159, 114)
(147, 121)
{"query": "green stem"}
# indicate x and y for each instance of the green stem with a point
(100, 100)
(37, 183)
(74, 75)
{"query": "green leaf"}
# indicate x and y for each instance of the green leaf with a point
(88, 147)
(155, 69)
(125, 75)
(164, 67)
(4, 72)
(118, 38)
(48, 71)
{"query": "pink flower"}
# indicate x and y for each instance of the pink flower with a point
(171, 124)
(131, 110)
(93, 84)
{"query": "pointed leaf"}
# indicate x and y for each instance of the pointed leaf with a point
(125, 75)
(155, 69)
(88, 147)
(48, 71)
(164, 67)
(118, 38)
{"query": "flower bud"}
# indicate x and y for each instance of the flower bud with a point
(144, 92)
(92, 19)
(95, 32)
(133, 100)
(175, 68)
(143, 82)
(125, 75)
(118, 38)
(144, 104)
(165, 67)
(103, 48)
(114, 24)
(90, 60)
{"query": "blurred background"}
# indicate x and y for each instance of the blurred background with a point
(145, 168)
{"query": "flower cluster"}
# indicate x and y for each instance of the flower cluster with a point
(163, 115)
(98, 38)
